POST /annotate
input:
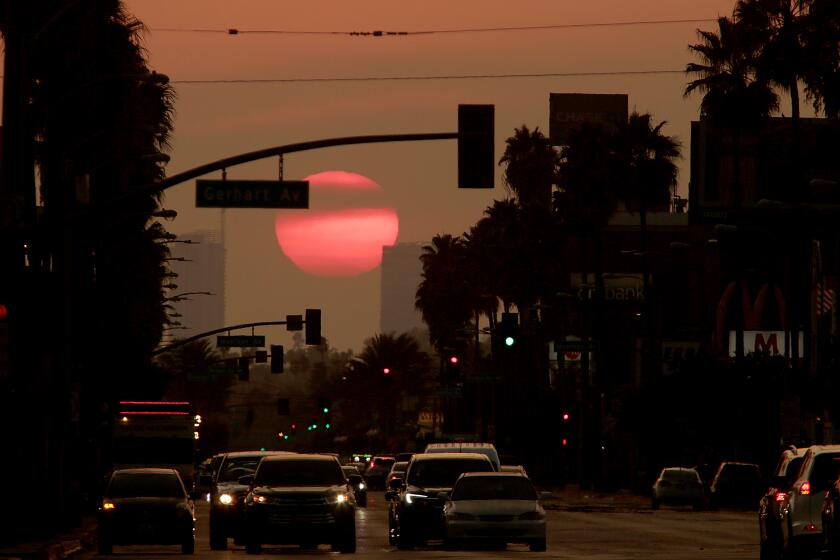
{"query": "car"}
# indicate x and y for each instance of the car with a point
(377, 471)
(800, 512)
(302, 499)
(467, 447)
(415, 512)
(736, 484)
(678, 486)
(513, 468)
(496, 508)
(769, 531)
(227, 496)
(357, 482)
(397, 471)
(206, 471)
(146, 506)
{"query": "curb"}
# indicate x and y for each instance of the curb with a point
(57, 548)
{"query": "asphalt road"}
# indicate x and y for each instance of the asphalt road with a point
(600, 534)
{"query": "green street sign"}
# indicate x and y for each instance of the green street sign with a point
(240, 341)
(216, 193)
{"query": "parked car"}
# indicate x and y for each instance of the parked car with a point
(377, 471)
(513, 468)
(678, 486)
(467, 447)
(736, 484)
(301, 499)
(227, 496)
(496, 508)
(357, 483)
(769, 530)
(800, 513)
(146, 506)
(415, 512)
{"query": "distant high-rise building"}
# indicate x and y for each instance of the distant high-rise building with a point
(203, 270)
(401, 273)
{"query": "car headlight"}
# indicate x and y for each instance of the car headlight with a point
(225, 499)
(532, 516)
(338, 499)
(108, 506)
(361, 486)
(456, 516)
(411, 498)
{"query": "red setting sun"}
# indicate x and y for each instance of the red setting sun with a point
(344, 230)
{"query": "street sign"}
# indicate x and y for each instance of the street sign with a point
(240, 341)
(215, 193)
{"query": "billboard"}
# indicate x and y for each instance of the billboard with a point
(567, 110)
(734, 171)
(773, 343)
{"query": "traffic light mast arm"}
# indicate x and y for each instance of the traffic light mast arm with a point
(193, 338)
(154, 188)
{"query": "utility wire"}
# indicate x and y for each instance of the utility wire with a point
(378, 33)
(427, 78)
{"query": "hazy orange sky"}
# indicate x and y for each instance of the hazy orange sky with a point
(419, 179)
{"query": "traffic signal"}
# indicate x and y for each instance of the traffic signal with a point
(276, 358)
(294, 322)
(323, 405)
(386, 371)
(327, 422)
(260, 357)
(453, 367)
(244, 369)
(476, 153)
(283, 407)
(313, 326)
(509, 329)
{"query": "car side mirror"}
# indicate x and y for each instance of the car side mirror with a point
(247, 480)
(395, 483)
(546, 495)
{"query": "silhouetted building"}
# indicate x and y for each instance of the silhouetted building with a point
(202, 271)
(401, 274)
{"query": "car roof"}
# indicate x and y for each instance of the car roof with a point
(494, 474)
(235, 454)
(145, 470)
(680, 469)
(449, 456)
(458, 445)
(824, 448)
(300, 457)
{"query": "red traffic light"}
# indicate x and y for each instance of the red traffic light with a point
(565, 416)
(386, 370)
(4, 311)
(453, 359)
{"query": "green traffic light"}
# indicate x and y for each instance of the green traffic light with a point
(327, 426)
(509, 340)
(326, 410)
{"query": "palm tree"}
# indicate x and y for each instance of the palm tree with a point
(531, 166)
(733, 97)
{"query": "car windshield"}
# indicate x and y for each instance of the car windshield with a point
(399, 467)
(673, 475)
(234, 467)
(299, 472)
(494, 488)
(145, 485)
(442, 473)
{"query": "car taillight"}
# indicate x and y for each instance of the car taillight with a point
(805, 489)
(780, 496)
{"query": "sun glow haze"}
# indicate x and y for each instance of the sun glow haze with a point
(343, 232)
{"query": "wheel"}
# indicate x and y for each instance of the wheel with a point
(253, 547)
(218, 540)
(104, 545)
(539, 546)
(188, 546)
(654, 504)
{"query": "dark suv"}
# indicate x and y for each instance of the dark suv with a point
(415, 512)
(301, 499)
(769, 529)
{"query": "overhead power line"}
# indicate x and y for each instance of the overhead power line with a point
(380, 33)
(426, 78)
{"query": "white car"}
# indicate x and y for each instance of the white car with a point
(496, 508)
(678, 486)
(800, 514)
